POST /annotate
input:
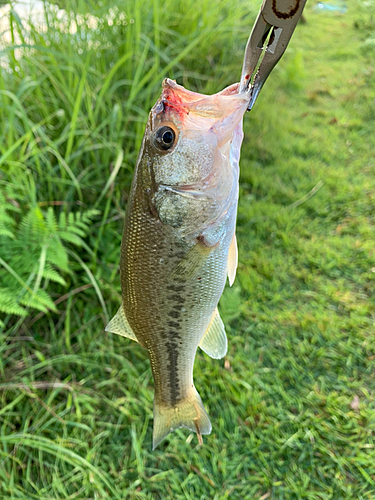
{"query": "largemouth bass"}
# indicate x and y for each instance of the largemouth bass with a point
(179, 244)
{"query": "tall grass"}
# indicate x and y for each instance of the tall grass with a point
(292, 405)
(75, 93)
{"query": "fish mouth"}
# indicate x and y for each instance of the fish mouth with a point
(177, 95)
(191, 111)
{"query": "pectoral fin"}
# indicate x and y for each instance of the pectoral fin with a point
(193, 261)
(214, 342)
(119, 324)
(232, 260)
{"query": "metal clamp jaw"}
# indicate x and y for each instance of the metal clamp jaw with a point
(269, 38)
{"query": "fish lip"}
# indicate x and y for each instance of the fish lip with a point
(196, 96)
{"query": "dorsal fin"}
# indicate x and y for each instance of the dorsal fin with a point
(232, 260)
(214, 341)
(119, 324)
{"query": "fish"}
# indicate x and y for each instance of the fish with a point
(179, 244)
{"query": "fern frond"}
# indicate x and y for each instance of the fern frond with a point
(71, 238)
(6, 232)
(52, 275)
(8, 303)
(75, 229)
(51, 222)
(90, 214)
(33, 226)
(57, 254)
(62, 220)
(4, 217)
(40, 301)
(34, 251)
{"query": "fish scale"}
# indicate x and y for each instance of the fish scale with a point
(176, 247)
(147, 314)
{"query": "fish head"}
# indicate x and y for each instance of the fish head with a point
(188, 164)
(189, 135)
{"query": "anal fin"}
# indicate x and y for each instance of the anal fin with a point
(119, 324)
(214, 341)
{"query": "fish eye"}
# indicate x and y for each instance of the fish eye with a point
(165, 138)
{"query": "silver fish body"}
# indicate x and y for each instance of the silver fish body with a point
(179, 244)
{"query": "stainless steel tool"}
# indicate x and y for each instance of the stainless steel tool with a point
(268, 40)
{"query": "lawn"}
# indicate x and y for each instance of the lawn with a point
(293, 403)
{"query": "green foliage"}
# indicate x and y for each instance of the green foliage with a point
(7, 222)
(365, 17)
(33, 254)
(292, 405)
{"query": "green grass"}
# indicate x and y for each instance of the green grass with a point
(292, 405)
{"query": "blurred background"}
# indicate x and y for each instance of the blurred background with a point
(292, 404)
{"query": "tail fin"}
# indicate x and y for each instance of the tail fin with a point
(188, 413)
